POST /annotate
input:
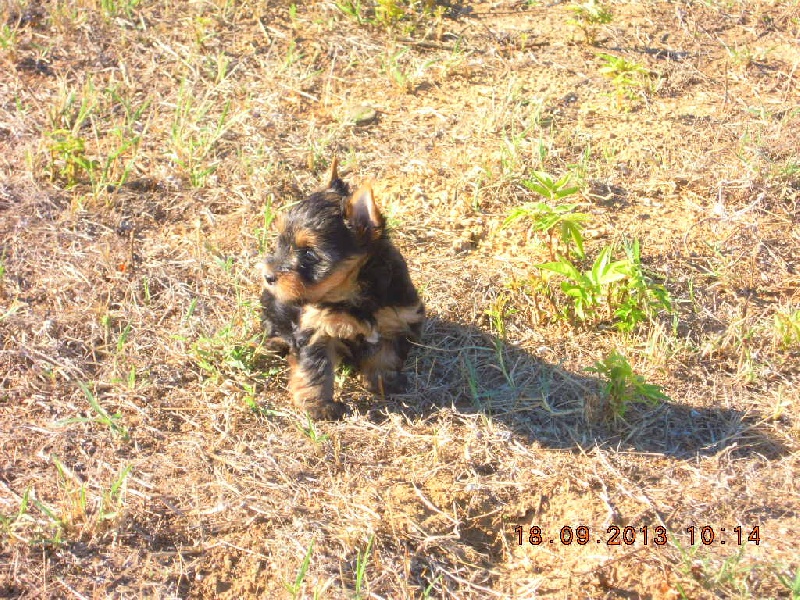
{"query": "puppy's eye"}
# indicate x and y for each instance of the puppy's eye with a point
(308, 256)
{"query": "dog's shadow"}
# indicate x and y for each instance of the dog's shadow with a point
(465, 368)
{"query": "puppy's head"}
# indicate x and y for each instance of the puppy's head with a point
(322, 243)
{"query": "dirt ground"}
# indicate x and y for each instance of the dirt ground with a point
(147, 444)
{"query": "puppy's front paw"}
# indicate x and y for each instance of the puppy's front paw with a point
(326, 411)
(278, 345)
(325, 323)
(318, 408)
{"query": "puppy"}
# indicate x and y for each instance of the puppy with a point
(336, 289)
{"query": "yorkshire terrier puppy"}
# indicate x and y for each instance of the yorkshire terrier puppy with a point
(336, 289)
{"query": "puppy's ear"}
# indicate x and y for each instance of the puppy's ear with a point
(334, 183)
(333, 173)
(363, 215)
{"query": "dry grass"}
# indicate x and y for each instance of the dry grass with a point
(147, 447)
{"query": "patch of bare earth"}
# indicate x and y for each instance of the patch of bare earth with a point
(147, 445)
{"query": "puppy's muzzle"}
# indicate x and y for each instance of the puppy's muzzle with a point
(269, 274)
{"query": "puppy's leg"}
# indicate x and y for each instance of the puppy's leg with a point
(311, 381)
(381, 364)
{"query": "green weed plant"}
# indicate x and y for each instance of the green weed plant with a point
(622, 387)
(589, 16)
(787, 328)
(101, 415)
(294, 588)
(627, 76)
(619, 290)
(361, 568)
(557, 221)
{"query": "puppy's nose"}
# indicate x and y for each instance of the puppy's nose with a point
(268, 273)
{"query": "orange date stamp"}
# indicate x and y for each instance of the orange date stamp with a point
(645, 536)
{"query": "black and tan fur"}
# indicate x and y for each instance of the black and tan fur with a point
(336, 290)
